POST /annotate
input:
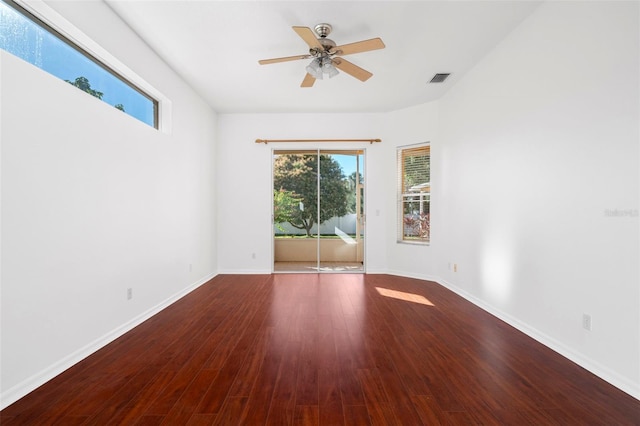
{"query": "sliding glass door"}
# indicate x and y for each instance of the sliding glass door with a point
(318, 210)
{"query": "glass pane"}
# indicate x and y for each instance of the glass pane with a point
(416, 169)
(341, 211)
(39, 46)
(416, 218)
(295, 211)
(415, 188)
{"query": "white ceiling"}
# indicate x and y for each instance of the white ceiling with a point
(215, 46)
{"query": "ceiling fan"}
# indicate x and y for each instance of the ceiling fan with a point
(327, 56)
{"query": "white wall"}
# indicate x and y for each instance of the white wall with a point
(245, 187)
(537, 144)
(411, 126)
(95, 202)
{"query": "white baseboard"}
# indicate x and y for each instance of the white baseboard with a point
(606, 374)
(245, 272)
(16, 392)
(369, 271)
(413, 275)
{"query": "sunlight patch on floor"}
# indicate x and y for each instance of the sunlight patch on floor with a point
(402, 295)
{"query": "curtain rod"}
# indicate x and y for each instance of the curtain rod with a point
(266, 141)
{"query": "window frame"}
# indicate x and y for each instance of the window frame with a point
(424, 196)
(49, 20)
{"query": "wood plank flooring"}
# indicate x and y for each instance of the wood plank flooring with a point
(334, 349)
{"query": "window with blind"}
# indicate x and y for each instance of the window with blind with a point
(414, 193)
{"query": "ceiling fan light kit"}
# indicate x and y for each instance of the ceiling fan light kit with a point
(327, 56)
(315, 69)
(320, 66)
(328, 68)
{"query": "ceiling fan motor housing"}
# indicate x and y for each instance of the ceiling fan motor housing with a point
(328, 48)
(328, 45)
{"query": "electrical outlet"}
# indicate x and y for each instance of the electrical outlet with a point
(455, 267)
(253, 255)
(586, 322)
(129, 293)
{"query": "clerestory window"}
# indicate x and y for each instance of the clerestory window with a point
(29, 38)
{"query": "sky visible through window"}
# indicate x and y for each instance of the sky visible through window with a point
(348, 163)
(27, 40)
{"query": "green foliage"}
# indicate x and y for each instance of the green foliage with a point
(350, 183)
(417, 170)
(285, 206)
(297, 175)
(83, 84)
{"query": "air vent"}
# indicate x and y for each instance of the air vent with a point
(439, 78)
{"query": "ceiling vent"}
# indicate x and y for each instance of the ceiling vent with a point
(439, 78)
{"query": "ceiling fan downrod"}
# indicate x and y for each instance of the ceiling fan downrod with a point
(323, 30)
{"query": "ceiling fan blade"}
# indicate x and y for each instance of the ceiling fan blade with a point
(351, 69)
(308, 80)
(285, 59)
(309, 37)
(360, 46)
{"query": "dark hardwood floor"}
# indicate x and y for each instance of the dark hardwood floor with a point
(324, 349)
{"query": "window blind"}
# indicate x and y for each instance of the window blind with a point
(414, 193)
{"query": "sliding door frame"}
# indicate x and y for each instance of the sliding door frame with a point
(360, 218)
